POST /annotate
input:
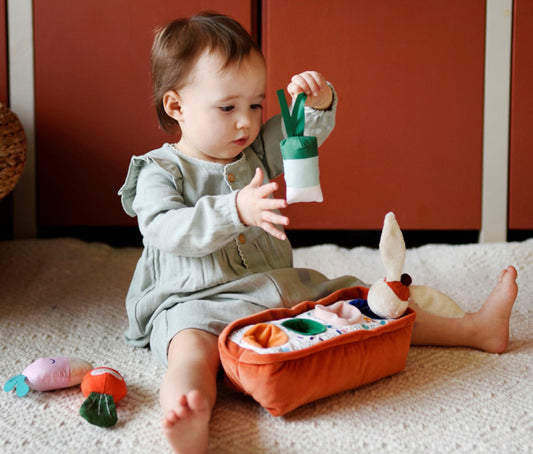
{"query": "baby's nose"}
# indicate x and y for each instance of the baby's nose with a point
(243, 121)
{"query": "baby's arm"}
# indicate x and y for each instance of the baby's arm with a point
(170, 224)
(320, 113)
(253, 203)
(320, 105)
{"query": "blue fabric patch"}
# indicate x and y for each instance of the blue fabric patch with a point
(362, 305)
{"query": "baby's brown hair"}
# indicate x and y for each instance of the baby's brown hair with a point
(178, 45)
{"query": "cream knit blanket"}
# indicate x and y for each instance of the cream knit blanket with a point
(65, 297)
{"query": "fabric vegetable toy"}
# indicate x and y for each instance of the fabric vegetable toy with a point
(103, 387)
(300, 154)
(47, 374)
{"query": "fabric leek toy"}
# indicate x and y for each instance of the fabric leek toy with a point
(47, 374)
(103, 387)
(300, 154)
(389, 297)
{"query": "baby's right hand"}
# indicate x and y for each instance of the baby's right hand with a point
(255, 207)
(314, 85)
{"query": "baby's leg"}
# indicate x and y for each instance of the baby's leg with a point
(487, 329)
(188, 390)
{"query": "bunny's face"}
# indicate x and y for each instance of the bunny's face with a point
(384, 302)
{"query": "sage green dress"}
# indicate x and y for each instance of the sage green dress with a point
(201, 267)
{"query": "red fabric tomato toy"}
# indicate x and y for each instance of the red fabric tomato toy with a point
(103, 387)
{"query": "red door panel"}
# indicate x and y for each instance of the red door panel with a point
(521, 143)
(93, 100)
(409, 74)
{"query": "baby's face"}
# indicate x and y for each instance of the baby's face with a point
(221, 109)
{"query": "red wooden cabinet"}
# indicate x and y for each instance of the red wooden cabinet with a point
(521, 140)
(409, 74)
(93, 100)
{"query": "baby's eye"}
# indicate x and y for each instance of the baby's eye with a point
(226, 108)
(256, 106)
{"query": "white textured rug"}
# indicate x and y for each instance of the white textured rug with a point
(65, 297)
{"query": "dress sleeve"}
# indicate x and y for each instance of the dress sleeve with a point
(320, 123)
(266, 147)
(154, 195)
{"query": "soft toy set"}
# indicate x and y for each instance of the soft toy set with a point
(285, 358)
(102, 386)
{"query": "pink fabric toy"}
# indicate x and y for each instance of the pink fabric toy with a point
(46, 374)
(341, 313)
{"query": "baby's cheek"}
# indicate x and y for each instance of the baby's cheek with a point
(254, 130)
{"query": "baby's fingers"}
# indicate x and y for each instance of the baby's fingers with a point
(257, 180)
(272, 204)
(274, 218)
(267, 189)
(310, 82)
(275, 232)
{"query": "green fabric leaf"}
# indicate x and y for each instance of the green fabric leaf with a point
(295, 123)
(99, 409)
(19, 383)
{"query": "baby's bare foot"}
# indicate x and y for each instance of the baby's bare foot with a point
(186, 427)
(492, 320)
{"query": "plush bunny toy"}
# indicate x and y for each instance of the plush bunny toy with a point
(390, 297)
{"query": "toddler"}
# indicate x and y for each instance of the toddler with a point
(214, 245)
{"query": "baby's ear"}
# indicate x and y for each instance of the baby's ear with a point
(172, 104)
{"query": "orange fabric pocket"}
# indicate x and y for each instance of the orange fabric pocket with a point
(265, 335)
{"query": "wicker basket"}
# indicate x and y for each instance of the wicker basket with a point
(12, 150)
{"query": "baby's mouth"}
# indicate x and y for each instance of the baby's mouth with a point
(241, 142)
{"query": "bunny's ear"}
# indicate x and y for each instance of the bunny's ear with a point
(392, 248)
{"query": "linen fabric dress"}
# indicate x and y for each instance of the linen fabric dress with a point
(201, 267)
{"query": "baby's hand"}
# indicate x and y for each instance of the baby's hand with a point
(313, 84)
(255, 207)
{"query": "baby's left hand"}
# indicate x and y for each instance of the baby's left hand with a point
(313, 84)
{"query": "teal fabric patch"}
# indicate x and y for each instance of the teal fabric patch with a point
(18, 382)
